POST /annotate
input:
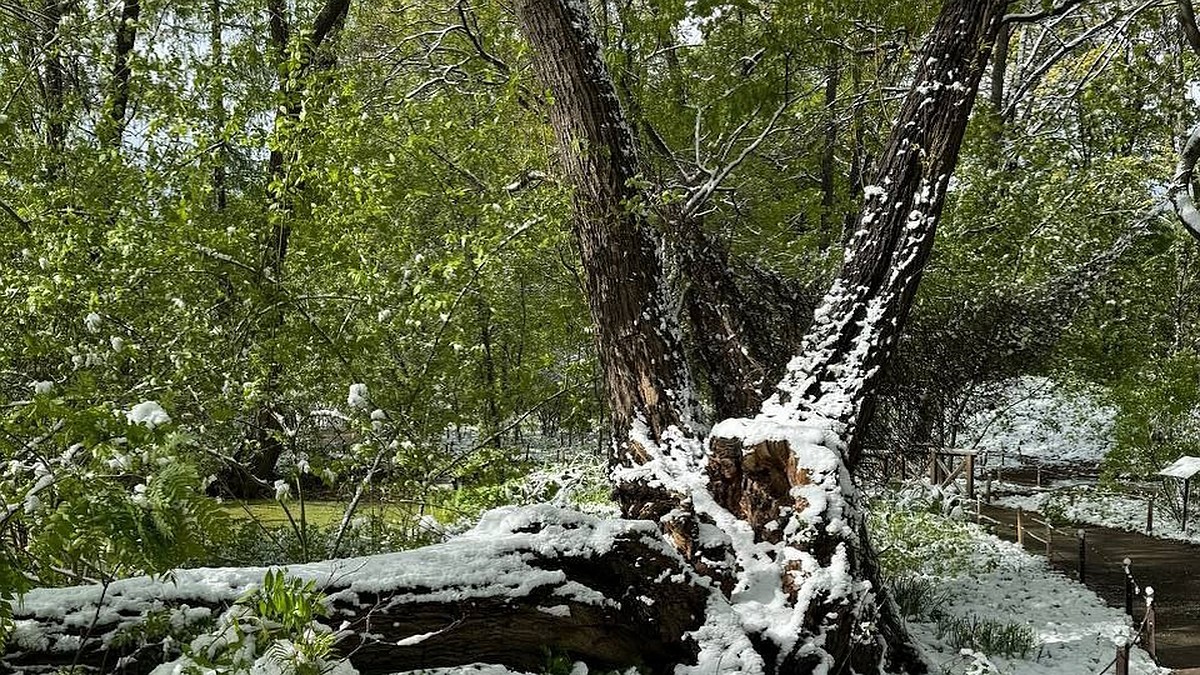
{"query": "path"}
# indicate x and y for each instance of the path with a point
(1171, 567)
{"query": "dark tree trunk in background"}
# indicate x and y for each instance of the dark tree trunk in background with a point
(829, 220)
(265, 444)
(717, 312)
(111, 127)
(217, 86)
(53, 85)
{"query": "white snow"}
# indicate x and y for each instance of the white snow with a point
(149, 414)
(1037, 418)
(357, 397)
(1075, 632)
(488, 561)
(1096, 507)
(1184, 467)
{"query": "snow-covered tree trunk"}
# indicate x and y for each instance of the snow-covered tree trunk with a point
(524, 581)
(766, 507)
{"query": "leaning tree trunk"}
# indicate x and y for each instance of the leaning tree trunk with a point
(111, 126)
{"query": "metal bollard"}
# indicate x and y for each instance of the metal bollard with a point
(1020, 528)
(1128, 588)
(1082, 534)
(1150, 638)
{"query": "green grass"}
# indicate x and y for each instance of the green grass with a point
(321, 513)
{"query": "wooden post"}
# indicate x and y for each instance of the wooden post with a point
(1039, 475)
(1082, 554)
(1123, 660)
(933, 468)
(1020, 528)
(1150, 515)
(987, 486)
(978, 511)
(1049, 536)
(1150, 641)
(1186, 484)
(970, 476)
(1128, 588)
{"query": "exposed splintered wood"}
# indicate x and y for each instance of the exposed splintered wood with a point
(610, 593)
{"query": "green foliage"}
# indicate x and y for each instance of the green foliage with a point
(275, 622)
(284, 605)
(918, 541)
(995, 638)
(1156, 423)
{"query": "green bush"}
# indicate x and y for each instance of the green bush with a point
(918, 542)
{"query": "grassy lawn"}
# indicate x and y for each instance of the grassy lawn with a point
(320, 513)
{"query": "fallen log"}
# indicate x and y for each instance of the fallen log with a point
(525, 583)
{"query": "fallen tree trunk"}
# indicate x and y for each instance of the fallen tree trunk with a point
(523, 584)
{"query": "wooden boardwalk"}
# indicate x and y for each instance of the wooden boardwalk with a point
(1171, 567)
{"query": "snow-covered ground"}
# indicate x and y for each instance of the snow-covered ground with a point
(1036, 420)
(1094, 506)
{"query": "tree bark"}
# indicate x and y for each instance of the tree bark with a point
(640, 352)
(111, 128)
(863, 314)
(716, 307)
(52, 12)
(527, 582)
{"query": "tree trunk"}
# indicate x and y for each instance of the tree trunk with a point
(111, 127)
(217, 83)
(265, 444)
(716, 310)
(862, 315)
(527, 582)
(640, 352)
(52, 12)
(768, 478)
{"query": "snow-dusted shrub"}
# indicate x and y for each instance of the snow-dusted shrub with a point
(273, 629)
(913, 542)
(918, 495)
